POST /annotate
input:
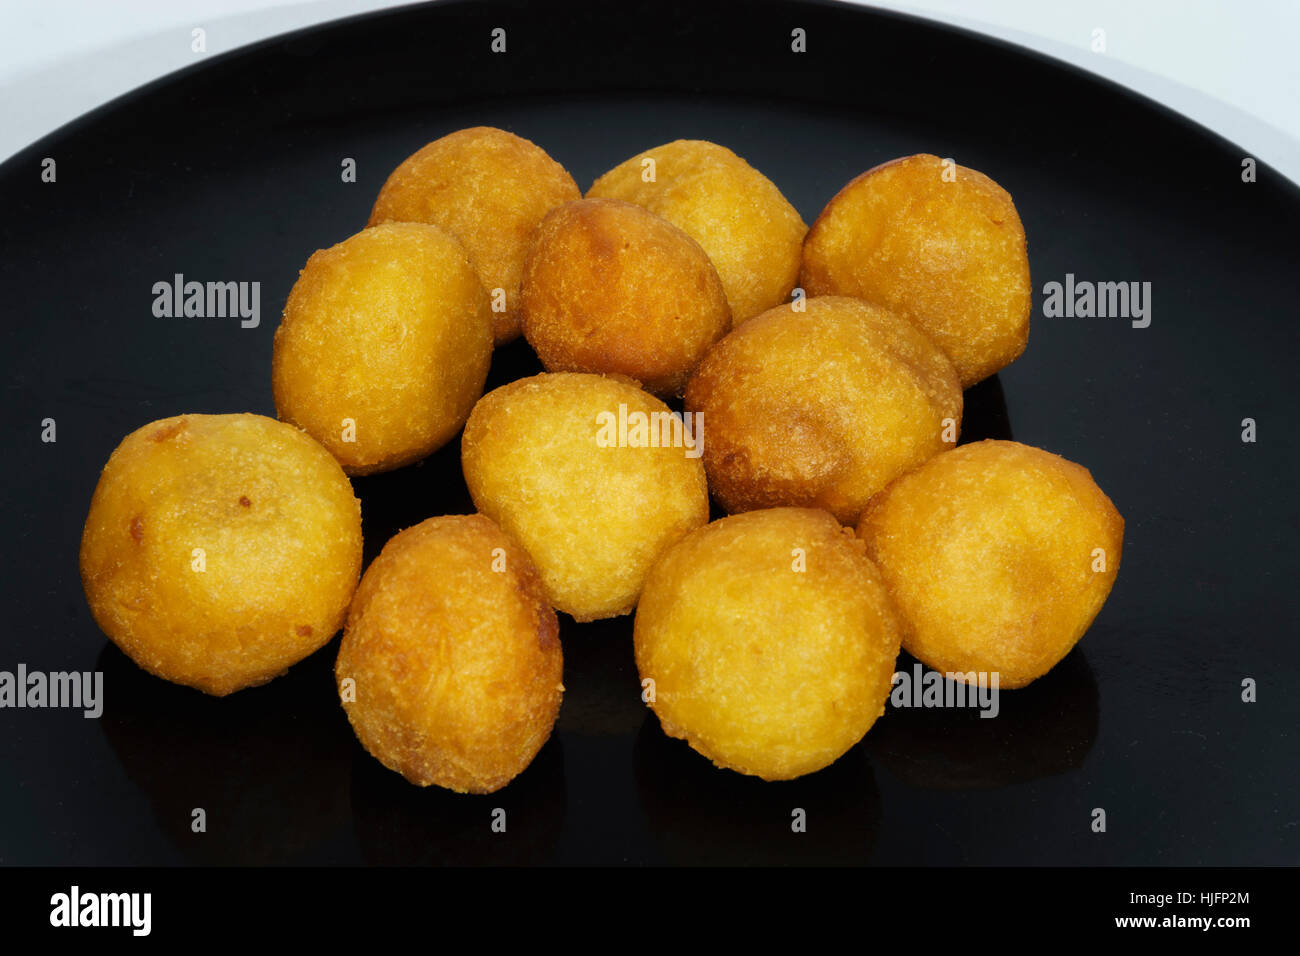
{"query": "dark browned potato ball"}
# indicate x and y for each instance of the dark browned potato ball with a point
(610, 287)
(450, 668)
(822, 407)
(738, 215)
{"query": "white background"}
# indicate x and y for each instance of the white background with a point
(1231, 65)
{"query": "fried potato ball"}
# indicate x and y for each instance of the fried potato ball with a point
(749, 230)
(998, 557)
(823, 407)
(948, 255)
(453, 656)
(610, 287)
(770, 640)
(220, 549)
(594, 476)
(384, 346)
(489, 189)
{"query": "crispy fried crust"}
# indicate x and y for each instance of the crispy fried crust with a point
(389, 330)
(490, 189)
(454, 657)
(593, 517)
(990, 554)
(749, 230)
(821, 408)
(949, 256)
(278, 533)
(770, 639)
(610, 287)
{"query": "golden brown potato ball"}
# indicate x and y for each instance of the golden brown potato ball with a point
(220, 549)
(822, 407)
(593, 475)
(948, 255)
(453, 657)
(749, 230)
(489, 189)
(610, 287)
(770, 641)
(384, 346)
(998, 557)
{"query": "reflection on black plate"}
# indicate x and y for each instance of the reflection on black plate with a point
(699, 814)
(1043, 729)
(398, 824)
(266, 766)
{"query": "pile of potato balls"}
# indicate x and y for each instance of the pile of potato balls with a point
(821, 371)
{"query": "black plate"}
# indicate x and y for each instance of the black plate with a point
(231, 171)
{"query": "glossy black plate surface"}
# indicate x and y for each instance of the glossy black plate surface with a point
(231, 171)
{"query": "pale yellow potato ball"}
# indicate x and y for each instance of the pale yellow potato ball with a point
(489, 188)
(768, 641)
(593, 475)
(998, 556)
(384, 346)
(937, 243)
